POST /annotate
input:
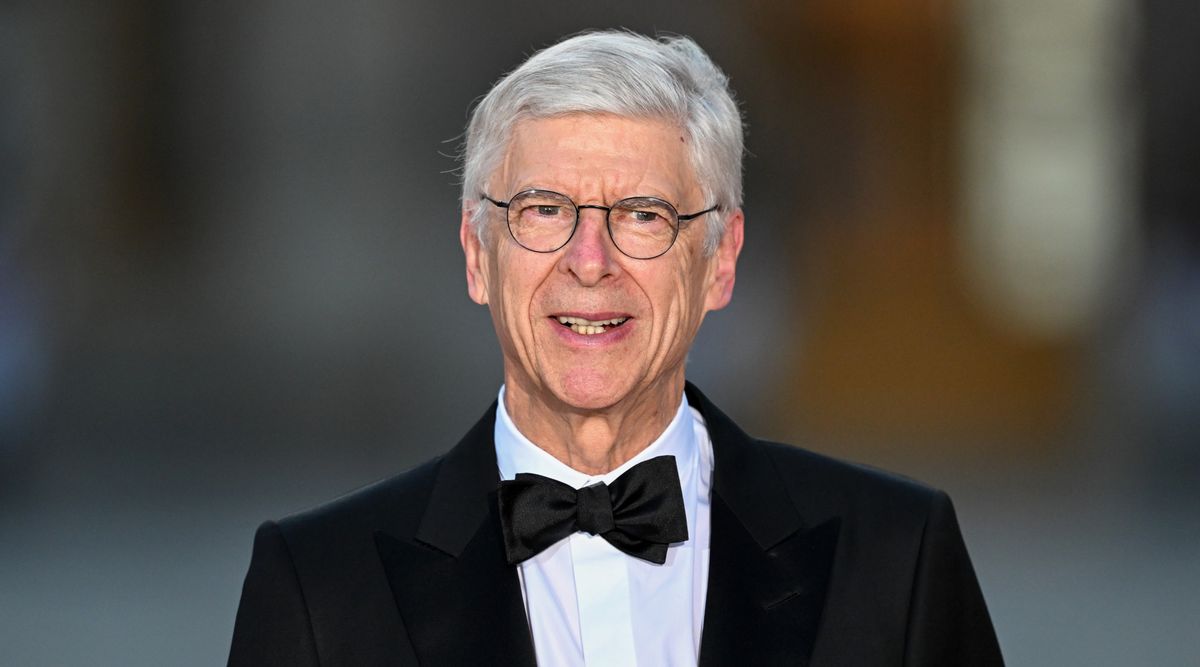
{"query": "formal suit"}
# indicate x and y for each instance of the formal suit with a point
(813, 562)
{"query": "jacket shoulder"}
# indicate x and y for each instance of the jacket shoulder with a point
(850, 490)
(900, 548)
(820, 487)
(394, 504)
(322, 567)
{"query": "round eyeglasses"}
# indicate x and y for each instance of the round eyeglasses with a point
(640, 227)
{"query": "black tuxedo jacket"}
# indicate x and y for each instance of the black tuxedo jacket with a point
(813, 562)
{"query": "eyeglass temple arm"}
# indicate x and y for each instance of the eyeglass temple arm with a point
(690, 216)
(501, 204)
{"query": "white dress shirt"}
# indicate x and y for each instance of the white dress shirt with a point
(590, 604)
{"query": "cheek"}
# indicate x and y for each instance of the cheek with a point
(683, 303)
(693, 278)
(518, 292)
(514, 309)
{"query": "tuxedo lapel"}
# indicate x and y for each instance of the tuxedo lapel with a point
(460, 600)
(768, 567)
(763, 605)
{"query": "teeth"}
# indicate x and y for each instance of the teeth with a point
(588, 327)
(598, 323)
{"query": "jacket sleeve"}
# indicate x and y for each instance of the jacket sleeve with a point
(273, 625)
(948, 621)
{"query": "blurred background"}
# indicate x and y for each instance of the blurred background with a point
(231, 288)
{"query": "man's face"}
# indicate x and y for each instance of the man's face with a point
(659, 302)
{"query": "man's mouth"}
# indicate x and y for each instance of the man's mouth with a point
(590, 327)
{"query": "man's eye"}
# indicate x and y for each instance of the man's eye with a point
(548, 211)
(645, 216)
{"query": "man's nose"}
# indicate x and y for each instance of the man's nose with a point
(590, 255)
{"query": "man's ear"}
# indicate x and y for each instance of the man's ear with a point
(477, 258)
(720, 291)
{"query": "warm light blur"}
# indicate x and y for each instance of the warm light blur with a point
(231, 288)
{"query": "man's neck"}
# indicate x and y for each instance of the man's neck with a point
(593, 442)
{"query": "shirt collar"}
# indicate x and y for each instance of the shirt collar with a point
(515, 453)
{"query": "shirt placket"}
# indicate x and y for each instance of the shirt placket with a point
(602, 590)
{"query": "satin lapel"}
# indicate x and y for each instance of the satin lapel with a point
(768, 568)
(460, 601)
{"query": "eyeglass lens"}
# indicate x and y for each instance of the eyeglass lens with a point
(641, 227)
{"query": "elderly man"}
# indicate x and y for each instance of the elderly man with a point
(603, 511)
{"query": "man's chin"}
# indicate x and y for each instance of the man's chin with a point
(593, 392)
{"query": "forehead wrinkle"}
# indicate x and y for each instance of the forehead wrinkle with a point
(599, 167)
(595, 181)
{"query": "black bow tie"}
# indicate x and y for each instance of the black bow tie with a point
(640, 513)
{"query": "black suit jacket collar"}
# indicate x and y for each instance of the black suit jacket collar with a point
(768, 570)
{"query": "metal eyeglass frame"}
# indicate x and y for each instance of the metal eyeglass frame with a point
(679, 219)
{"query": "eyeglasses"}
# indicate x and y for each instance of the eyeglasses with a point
(640, 227)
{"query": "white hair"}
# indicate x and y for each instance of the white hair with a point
(625, 74)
